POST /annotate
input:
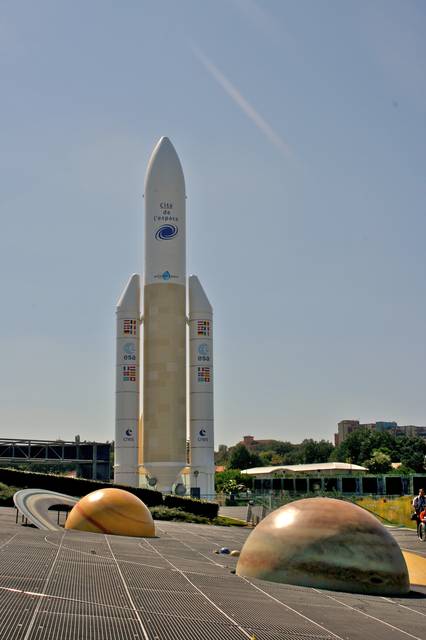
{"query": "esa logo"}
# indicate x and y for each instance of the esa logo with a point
(203, 353)
(202, 436)
(166, 232)
(129, 350)
(166, 276)
(129, 436)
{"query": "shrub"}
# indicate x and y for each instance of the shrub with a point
(226, 481)
(177, 515)
(6, 495)
(198, 507)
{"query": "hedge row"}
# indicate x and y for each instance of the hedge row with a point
(76, 487)
(198, 507)
(79, 487)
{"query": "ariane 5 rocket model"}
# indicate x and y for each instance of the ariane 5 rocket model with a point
(169, 358)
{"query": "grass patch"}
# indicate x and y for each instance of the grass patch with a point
(396, 511)
(229, 522)
(178, 515)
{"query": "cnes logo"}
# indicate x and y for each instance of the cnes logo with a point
(202, 436)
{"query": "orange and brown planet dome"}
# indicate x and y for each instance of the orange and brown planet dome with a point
(112, 511)
(328, 544)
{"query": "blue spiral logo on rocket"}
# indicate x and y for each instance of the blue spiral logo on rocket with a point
(166, 232)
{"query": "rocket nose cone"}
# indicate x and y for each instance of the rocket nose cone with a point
(198, 301)
(163, 151)
(164, 165)
(130, 298)
(164, 140)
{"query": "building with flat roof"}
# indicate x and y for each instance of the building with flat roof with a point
(345, 427)
(330, 477)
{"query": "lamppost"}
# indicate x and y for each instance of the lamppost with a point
(195, 492)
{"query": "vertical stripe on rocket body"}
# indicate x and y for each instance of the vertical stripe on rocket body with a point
(164, 367)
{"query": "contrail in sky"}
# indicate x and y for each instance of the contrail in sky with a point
(241, 102)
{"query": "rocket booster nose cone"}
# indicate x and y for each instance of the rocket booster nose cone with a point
(130, 298)
(164, 167)
(198, 301)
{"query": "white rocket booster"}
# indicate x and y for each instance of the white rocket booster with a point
(164, 422)
(201, 389)
(127, 408)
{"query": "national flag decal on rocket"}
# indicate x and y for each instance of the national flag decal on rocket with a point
(129, 327)
(203, 327)
(129, 373)
(203, 374)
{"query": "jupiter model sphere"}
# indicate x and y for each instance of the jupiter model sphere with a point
(326, 544)
(151, 449)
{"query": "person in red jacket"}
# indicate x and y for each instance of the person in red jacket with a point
(421, 525)
(419, 505)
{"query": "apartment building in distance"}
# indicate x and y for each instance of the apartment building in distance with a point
(251, 443)
(345, 427)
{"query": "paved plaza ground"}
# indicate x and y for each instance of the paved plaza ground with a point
(81, 586)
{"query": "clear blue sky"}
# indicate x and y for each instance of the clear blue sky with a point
(301, 128)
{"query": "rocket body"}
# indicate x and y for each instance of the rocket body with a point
(152, 448)
(164, 317)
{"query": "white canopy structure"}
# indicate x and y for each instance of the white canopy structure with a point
(317, 467)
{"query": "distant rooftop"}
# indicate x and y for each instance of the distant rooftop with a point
(305, 468)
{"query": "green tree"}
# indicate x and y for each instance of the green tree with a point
(359, 446)
(311, 451)
(221, 456)
(412, 453)
(266, 457)
(225, 479)
(293, 456)
(242, 458)
(276, 459)
(282, 448)
(380, 462)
